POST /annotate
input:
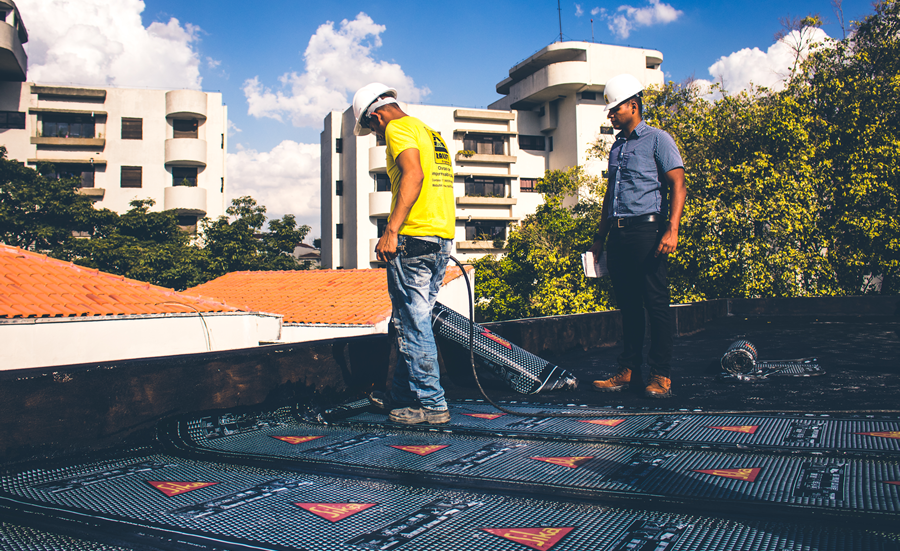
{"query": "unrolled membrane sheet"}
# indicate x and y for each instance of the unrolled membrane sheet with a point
(521, 370)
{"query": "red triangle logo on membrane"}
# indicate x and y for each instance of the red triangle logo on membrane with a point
(749, 429)
(894, 482)
(489, 416)
(740, 474)
(173, 488)
(534, 538)
(420, 450)
(295, 439)
(334, 512)
(571, 462)
(888, 434)
(604, 422)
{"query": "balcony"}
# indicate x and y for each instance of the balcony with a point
(485, 201)
(186, 104)
(13, 61)
(378, 159)
(372, 257)
(69, 142)
(481, 246)
(185, 200)
(486, 159)
(94, 193)
(186, 152)
(379, 203)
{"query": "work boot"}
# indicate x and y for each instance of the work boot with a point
(381, 400)
(414, 416)
(619, 381)
(659, 387)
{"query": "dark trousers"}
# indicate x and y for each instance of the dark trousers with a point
(639, 281)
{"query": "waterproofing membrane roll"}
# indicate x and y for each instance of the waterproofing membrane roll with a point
(521, 370)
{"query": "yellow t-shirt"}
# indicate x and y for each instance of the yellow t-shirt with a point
(434, 212)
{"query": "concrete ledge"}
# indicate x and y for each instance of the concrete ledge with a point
(79, 408)
(869, 305)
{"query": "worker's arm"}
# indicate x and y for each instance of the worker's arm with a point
(675, 179)
(411, 178)
(597, 247)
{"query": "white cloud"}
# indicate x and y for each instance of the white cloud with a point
(595, 11)
(104, 43)
(338, 62)
(627, 18)
(285, 180)
(578, 10)
(736, 72)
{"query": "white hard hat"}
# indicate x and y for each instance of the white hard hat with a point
(620, 88)
(364, 99)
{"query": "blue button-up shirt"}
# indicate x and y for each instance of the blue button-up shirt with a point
(636, 165)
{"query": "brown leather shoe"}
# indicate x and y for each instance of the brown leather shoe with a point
(619, 381)
(659, 387)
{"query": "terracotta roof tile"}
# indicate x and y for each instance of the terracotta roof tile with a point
(33, 286)
(351, 297)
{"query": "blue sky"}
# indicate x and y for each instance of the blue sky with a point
(436, 53)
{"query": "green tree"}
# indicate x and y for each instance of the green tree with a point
(40, 213)
(541, 274)
(237, 244)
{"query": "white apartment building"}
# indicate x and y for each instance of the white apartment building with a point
(551, 112)
(123, 144)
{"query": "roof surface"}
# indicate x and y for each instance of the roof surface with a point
(36, 286)
(347, 297)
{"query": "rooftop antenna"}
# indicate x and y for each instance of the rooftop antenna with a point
(559, 9)
(592, 30)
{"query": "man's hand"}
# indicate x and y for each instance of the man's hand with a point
(597, 248)
(669, 241)
(386, 249)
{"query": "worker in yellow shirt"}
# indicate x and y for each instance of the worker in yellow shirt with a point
(415, 245)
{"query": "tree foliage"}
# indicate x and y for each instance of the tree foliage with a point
(540, 274)
(48, 215)
(791, 192)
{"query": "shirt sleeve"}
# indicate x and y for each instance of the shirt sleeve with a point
(667, 155)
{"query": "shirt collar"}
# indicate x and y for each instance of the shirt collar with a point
(637, 132)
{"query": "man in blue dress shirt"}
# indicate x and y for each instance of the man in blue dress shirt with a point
(641, 212)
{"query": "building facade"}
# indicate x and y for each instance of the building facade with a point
(551, 112)
(121, 144)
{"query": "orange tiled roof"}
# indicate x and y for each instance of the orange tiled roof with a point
(351, 297)
(36, 286)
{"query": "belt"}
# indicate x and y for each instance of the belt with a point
(631, 220)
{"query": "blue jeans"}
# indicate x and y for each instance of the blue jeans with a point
(413, 284)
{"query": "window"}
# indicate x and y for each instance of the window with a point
(59, 125)
(132, 129)
(528, 185)
(12, 119)
(380, 140)
(589, 95)
(532, 143)
(185, 128)
(131, 176)
(606, 129)
(339, 188)
(485, 230)
(485, 187)
(184, 176)
(187, 220)
(484, 145)
(382, 225)
(84, 172)
(550, 142)
(382, 182)
(339, 145)
(339, 231)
